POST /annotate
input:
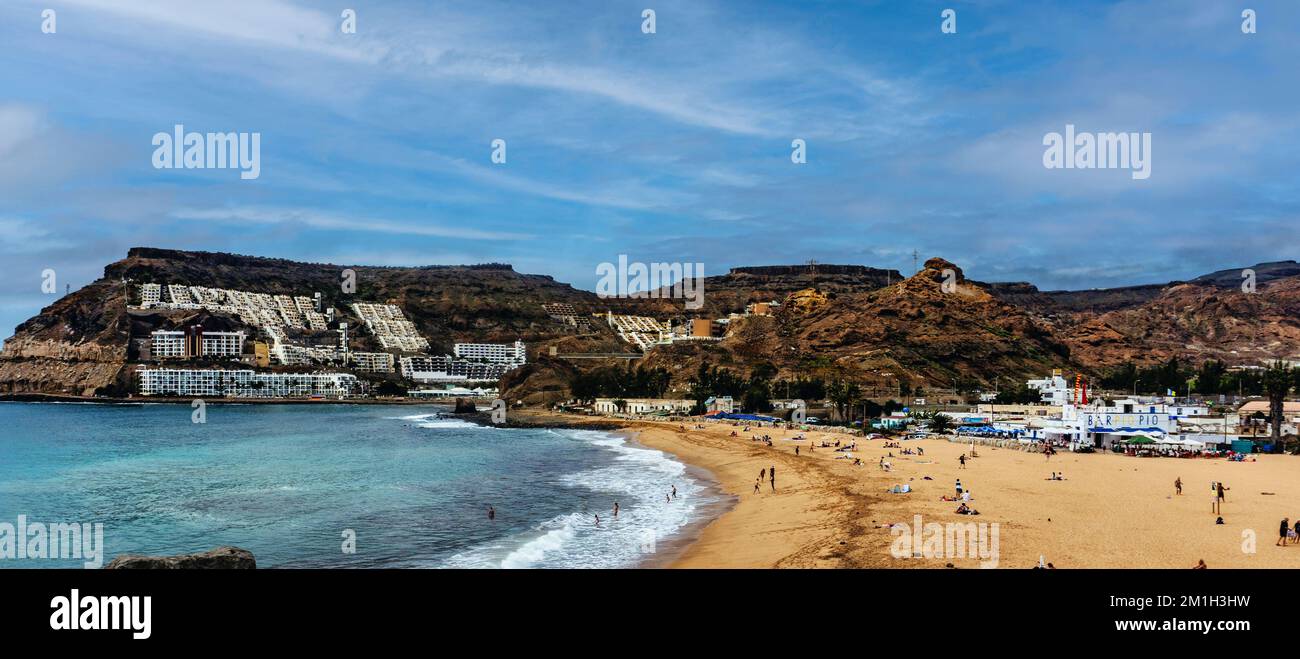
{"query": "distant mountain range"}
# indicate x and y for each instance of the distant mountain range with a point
(836, 320)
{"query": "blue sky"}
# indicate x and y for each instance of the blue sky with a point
(673, 146)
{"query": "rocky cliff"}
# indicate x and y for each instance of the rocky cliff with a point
(932, 328)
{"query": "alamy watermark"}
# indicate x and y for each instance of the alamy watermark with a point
(655, 280)
(60, 540)
(182, 150)
(937, 541)
(1098, 151)
(103, 612)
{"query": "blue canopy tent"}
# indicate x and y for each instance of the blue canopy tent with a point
(985, 430)
(745, 417)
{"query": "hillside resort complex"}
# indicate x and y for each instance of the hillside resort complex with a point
(300, 332)
(278, 331)
(283, 346)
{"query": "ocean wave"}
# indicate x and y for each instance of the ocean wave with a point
(435, 420)
(640, 479)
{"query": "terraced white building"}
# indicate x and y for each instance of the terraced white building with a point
(223, 383)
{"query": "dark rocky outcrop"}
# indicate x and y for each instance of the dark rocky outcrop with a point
(221, 558)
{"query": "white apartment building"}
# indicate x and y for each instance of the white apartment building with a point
(179, 294)
(223, 344)
(167, 344)
(150, 294)
(390, 327)
(427, 369)
(170, 344)
(372, 362)
(496, 353)
(221, 383)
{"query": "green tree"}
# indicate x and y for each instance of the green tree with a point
(1278, 381)
(842, 394)
(940, 424)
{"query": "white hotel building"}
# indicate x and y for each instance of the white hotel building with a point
(170, 344)
(372, 362)
(222, 383)
(223, 344)
(496, 353)
(167, 344)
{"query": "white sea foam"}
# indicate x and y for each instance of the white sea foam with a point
(640, 480)
(435, 421)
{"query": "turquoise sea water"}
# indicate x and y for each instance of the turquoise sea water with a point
(286, 481)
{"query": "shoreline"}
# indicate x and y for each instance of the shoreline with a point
(806, 522)
(1108, 510)
(684, 538)
(172, 400)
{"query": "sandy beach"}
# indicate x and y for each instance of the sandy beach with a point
(1110, 511)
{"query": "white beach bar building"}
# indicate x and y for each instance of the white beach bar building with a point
(643, 405)
(1097, 425)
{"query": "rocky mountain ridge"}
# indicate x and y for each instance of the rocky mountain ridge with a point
(935, 327)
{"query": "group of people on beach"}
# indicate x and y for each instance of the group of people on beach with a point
(1287, 534)
(768, 473)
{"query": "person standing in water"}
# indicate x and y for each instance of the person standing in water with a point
(615, 509)
(674, 491)
(492, 513)
(597, 520)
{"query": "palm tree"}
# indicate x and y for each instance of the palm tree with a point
(843, 394)
(940, 424)
(1278, 380)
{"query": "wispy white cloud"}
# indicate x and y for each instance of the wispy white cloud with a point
(324, 220)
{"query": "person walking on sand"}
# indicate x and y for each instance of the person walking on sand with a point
(1178, 485)
(762, 474)
(958, 487)
(1282, 532)
(962, 460)
(756, 488)
(1221, 489)
(771, 474)
(796, 451)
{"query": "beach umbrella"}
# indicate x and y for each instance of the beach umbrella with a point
(1140, 439)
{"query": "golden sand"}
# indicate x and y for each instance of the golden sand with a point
(1111, 511)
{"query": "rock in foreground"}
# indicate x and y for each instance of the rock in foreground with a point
(221, 558)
